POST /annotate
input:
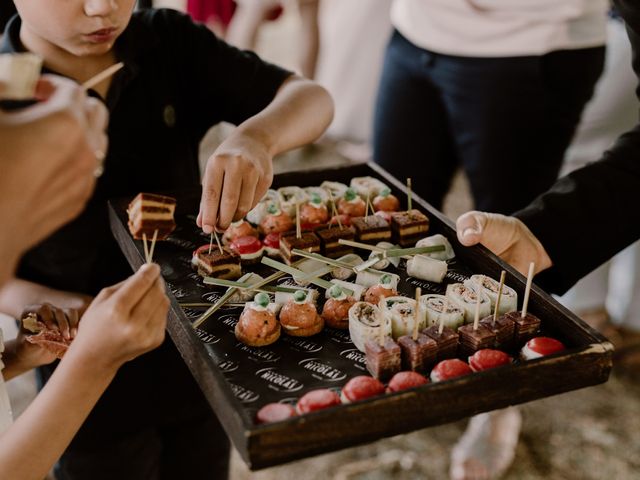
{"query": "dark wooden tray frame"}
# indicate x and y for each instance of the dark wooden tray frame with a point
(587, 363)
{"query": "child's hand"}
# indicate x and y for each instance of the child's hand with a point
(125, 320)
(237, 176)
(64, 321)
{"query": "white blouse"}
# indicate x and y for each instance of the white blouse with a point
(501, 28)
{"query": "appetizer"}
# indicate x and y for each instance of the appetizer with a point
(361, 388)
(336, 309)
(418, 354)
(447, 341)
(275, 221)
(289, 197)
(244, 296)
(401, 313)
(368, 278)
(383, 358)
(308, 241)
(466, 297)
(405, 381)
(299, 317)
(334, 189)
(367, 186)
(385, 201)
(238, 229)
(540, 347)
(329, 237)
(408, 227)
(371, 229)
(427, 268)
(257, 325)
(148, 213)
(342, 273)
(257, 214)
(321, 192)
(19, 74)
(275, 412)
(357, 291)
(489, 286)
(472, 340)
(526, 327)
(351, 204)
(271, 244)
(381, 290)
(314, 212)
(210, 262)
(487, 359)
(249, 248)
(441, 309)
(503, 328)
(39, 334)
(384, 262)
(448, 369)
(366, 322)
(432, 241)
(317, 400)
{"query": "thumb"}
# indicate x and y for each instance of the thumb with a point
(470, 227)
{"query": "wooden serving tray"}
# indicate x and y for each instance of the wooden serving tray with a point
(238, 380)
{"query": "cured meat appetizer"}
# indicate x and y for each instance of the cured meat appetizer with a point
(334, 189)
(385, 201)
(401, 313)
(441, 309)
(314, 212)
(148, 213)
(329, 237)
(489, 286)
(289, 241)
(257, 214)
(351, 204)
(405, 381)
(19, 74)
(383, 358)
(540, 347)
(418, 354)
(238, 229)
(409, 227)
(289, 196)
(244, 296)
(341, 273)
(503, 328)
(447, 341)
(385, 261)
(271, 244)
(225, 264)
(435, 240)
(526, 328)
(369, 278)
(487, 359)
(275, 221)
(360, 388)
(50, 339)
(299, 317)
(353, 289)
(367, 186)
(426, 268)
(371, 229)
(472, 340)
(249, 248)
(275, 412)
(377, 292)
(317, 400)
(449, 369)
(336, 309)
(466, 297)
(258, 325)
(367, 322)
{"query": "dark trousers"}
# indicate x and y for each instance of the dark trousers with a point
(506, 121)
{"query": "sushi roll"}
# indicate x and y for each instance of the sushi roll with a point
(440, 308)
(289, 196)
(370, 277)
(257, 214)
(341, 273)
(384, 262)
(356, 291)
(366, 322)
(434, 240)
(367, 186)
(426, 268)
(489, 286)
(400, 312)
(466, 296)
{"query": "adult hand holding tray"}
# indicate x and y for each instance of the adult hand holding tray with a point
(237, 380)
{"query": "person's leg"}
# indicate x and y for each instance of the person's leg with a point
(411, 131)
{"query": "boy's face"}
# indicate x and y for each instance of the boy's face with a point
(81, 27)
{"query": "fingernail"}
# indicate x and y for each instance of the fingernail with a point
(470, 231)
(207, 229)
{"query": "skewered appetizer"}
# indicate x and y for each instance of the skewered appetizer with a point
(335, 189)
(329, 237)
(257, 325)
(472, 340)
(275, 412)
(386, 215)
(383, 358)
(299, 317)
(340, 219)
(289, 241)
(289, 197)
(360, 388)
(249, 248)
(405, 381)
(427, 268)
(210, 262)
(526, 328)
(238, 229)
(409, 227)
(487, 359)
(271, 244)
(351, 204)
(275, 221)
(401, 314)
(381, 290)
(466, 297)
(257, 214)
(447, 341)
(40, 334)
(371, 229)
(367, 322)
(448, 369)
(418, 354)
(385, 201)
(353, 289)
(540, 347)
(342, 273)
(148, 213)
(19, 73)
(314, 212)
(440, 308)
(321, 192)
(503, 328)
(317, 400)
(384, 262)
(282, 298)
(336, 309)
(434, 240)
(489, 286)
(370, 277)
(367, 186)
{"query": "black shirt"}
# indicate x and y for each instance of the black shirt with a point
(178, 81)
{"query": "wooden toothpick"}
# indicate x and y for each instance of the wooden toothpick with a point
(441, 326)
(527, 291)
(298, 228)
(210, 243)
(100, 77)
(366, 206)
(153, 245)
(146, 247)
(409, 204)
(416, 316)
(495, 311)
(476, 319)
(215, 235)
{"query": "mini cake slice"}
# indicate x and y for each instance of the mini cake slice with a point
(329, 237)
(408, 227)
(149, 212)
(371, 229)
(289, 241)
(225, 265)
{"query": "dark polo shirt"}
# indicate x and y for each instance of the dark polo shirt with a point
(179, 80)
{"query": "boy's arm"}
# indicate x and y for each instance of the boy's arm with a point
(240, 171)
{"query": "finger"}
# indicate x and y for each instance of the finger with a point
(74, 318)
(62, 322)
(230, 196)
(158, 320)
(211, 192)
(46, 316)
(148, 303)
(245, 202)
(261, 190)
(470, 227)
(136, 286)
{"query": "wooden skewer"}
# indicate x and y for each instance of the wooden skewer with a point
(215, 307)
(103, 75)
(527, 291)
(416, 316)
(368, 264)
(146, 247)
(215, 235)
(210, 243)
(498, 298)
(298, 228)
(153, 245)
(295, 272)
(334, 209)
(409, 204)
(381, 331)
(364, 246)
(441, 326)
(366, 206)
(476, 319)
